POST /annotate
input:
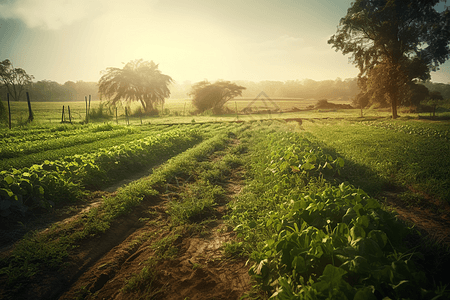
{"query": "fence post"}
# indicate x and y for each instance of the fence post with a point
(30, 112)
(87, 112)
(117, 121)
(62, 115)
(70, 117)
(9, 111)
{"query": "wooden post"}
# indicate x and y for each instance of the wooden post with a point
(89, 109)
(117, 121)
(62, 115)
(30, 112)
(9, 111)
(87, 112)
(70, 117)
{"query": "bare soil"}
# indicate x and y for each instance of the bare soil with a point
(199, 270)
(431, 218)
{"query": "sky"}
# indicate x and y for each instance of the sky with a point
(190, 40)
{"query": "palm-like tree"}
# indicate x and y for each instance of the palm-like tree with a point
(138, 80)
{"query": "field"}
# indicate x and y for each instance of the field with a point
(180, 111)
(326, 205)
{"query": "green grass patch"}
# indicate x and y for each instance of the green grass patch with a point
(386, 153)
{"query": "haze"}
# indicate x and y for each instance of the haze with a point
(190, 40)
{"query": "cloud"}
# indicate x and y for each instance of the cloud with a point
(55, 14)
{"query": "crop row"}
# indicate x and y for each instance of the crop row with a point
(30, 140)
(33, 133)
(312, 238)
(416, 130)
(25, 261)
(80, 148)
(62, 180)
(14, 149)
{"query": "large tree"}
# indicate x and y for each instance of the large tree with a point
(15, 79)
(138, 80)
(206, 95)
(393, 43)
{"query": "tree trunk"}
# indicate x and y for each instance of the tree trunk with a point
(143, 103)
(9, 111)
(394, 108)
(30, 112)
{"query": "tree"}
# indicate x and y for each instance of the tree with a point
(138, 80)
(434, 99)
(419, 93)
(15, 79)
(213, 96)
(393, 43)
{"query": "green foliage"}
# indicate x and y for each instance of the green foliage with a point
(15, 79)
(100, 113)
(138, 80)
(384, 153)
(212, 96)
(311, 238)
(386, 41)
(16, 147)
(18, 266)
(196, 203)
(144, 280)
(62, 180)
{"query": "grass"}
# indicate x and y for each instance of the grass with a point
(379, 159)
(180, 111)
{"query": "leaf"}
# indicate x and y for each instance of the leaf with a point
(298, 263)
(379, 237)
(363, 221)
(365, 293)
(340, 162)
(357, 232)
(5, 193)
(330, 279)
(9, 179)
(307, 166)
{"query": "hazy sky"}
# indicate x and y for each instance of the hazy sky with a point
(64, 40)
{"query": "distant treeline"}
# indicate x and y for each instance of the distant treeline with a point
(442, 88)
(333, 90)
(46, 90)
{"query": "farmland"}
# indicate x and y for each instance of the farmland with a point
(259, 208)
(180, 111)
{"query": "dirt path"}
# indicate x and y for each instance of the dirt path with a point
(199, 268)
(432, 218)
